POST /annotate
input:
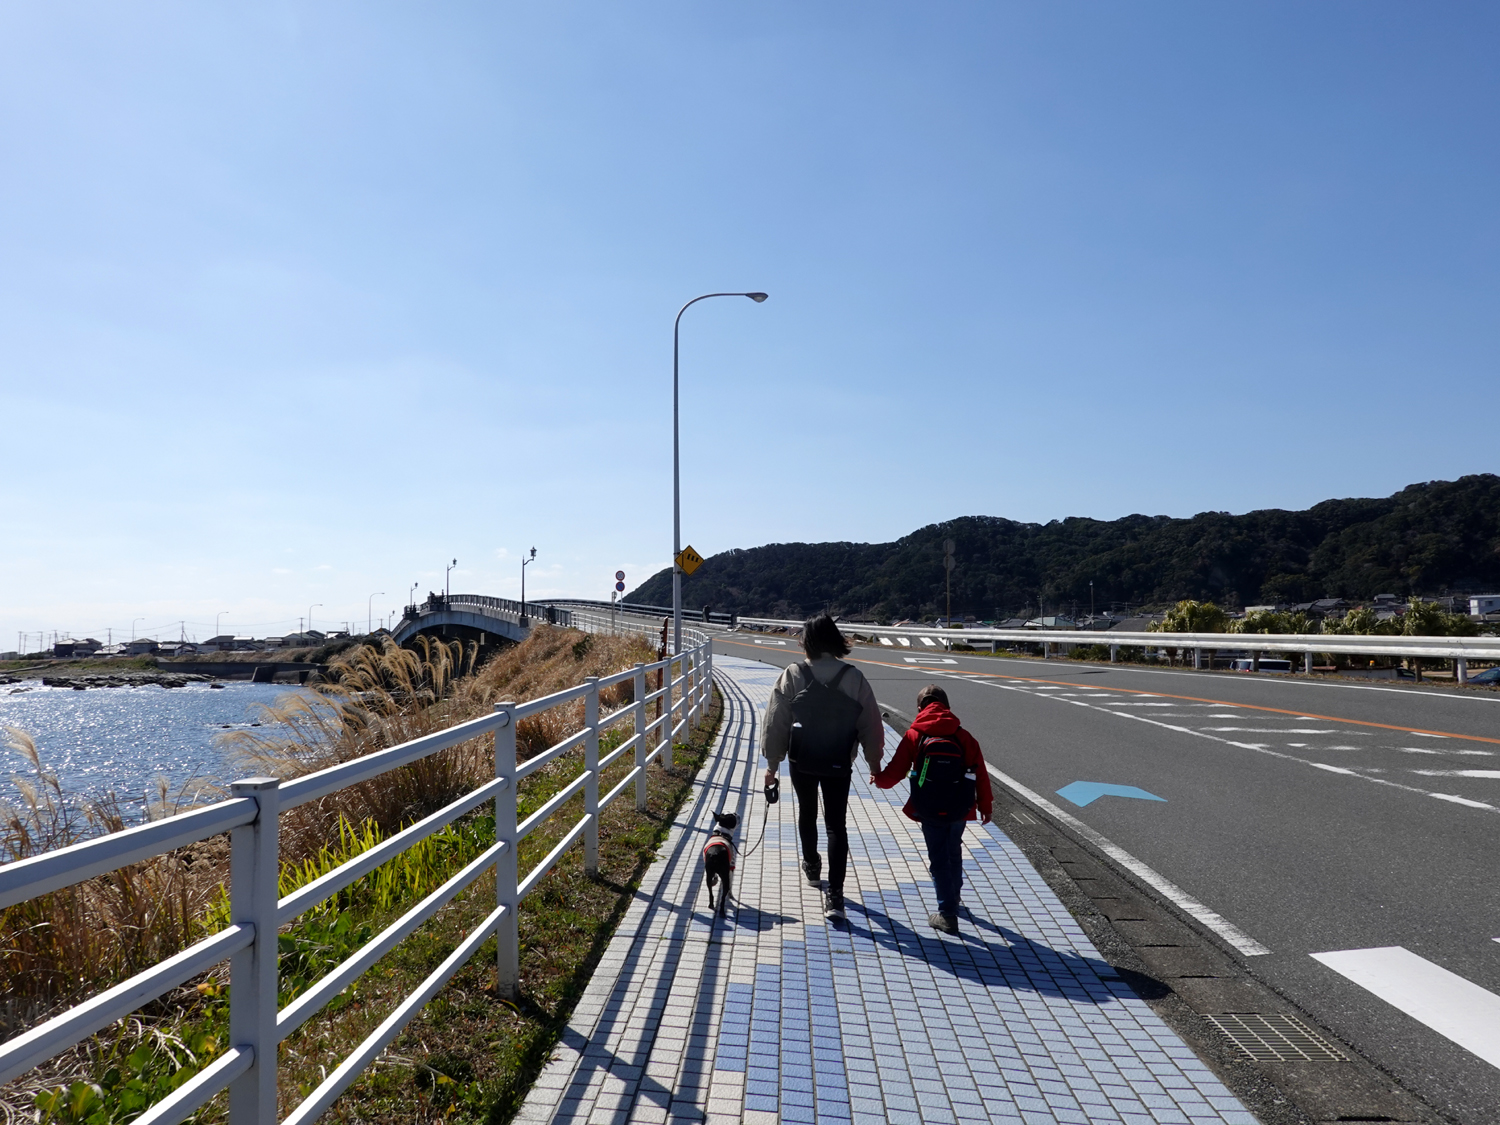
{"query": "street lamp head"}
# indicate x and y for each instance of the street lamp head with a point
(757, 297)
(533, 552)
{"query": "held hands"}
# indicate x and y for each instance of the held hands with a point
(771, 772)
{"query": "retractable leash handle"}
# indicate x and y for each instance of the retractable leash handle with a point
(773, 790)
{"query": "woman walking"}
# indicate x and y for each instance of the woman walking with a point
(822, 712)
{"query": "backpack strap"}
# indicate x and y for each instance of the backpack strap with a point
(839, 675)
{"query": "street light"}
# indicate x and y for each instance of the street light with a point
(446, 572)
(369, 609)
(132, 629)
(676, 476)
(315, 605)
(525, 562)
(414, 586)
(221, 613)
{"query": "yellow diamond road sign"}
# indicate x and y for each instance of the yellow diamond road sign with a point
(689, 561)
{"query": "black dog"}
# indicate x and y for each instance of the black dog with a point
(718, 860)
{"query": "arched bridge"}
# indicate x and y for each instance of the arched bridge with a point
(475, 619)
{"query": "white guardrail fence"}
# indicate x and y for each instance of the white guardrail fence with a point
(251, 818)
(1459, 649)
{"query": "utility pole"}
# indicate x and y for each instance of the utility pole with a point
(948, 565)
(1091, 601)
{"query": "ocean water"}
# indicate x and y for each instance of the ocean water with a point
(122, 739)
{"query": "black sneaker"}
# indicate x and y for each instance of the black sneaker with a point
(833, 907)
(814, 873)
(944, 923)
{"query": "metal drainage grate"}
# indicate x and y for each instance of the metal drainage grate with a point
(1276, 1038)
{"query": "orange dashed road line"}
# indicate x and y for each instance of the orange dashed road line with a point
(1189, 698)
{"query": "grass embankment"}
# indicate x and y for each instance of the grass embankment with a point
(469, 1056)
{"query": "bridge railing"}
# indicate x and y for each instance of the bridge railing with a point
(1459, 649)
(251, 817)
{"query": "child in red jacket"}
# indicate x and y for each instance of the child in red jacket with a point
(949, 786)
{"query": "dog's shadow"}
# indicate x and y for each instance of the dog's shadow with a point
(743, 917)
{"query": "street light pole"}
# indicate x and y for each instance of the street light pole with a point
(221, 613)
(676, 474)
(315, 605)
(525, 562)
(369, 609)
(446, 588)
(132, 629)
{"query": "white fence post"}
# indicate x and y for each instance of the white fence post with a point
(640, 737)
(671, 713)
(690, 690)
(1461, 670)
(507, 934)
(591, 785)
(1307, 662)
(1114, 654)
(254, 875)
(708, 678)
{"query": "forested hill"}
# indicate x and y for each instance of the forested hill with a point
(1435, 538)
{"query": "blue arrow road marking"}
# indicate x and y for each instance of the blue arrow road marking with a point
(1082, 792)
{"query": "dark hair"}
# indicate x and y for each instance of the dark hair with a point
(931, 694)
(821, 637)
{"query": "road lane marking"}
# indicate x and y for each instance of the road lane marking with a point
(993, 676)
(1262, 748)
(904, 642)
(1455, 1008)
(887, 642)
(1458, 773)
(781, 643)
(928, 642)
(1084, 793)
(928, 660)
(1158, 882)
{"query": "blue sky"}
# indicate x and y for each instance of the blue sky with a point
(300, 302)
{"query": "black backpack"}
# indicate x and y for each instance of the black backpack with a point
(942, 787)
(825, 727)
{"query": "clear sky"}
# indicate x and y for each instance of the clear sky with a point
(299, 302)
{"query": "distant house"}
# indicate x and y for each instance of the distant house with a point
(178, 648)
(274, 642)
(112, 650)
(86, 647)
(141, 646)
(1480, 604)
(222, 643)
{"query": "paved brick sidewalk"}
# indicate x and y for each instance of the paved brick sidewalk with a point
(776, 1015)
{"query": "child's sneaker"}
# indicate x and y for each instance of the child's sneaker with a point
(833, 907)
(944, 923)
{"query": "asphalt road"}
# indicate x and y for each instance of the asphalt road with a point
(1316, 817)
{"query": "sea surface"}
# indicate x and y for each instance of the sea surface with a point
(122, 739)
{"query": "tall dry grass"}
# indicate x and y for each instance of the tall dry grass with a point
(59, 947)
(62, 945)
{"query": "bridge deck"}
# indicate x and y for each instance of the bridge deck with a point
(776, 1015)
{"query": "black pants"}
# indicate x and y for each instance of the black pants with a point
(835, 808)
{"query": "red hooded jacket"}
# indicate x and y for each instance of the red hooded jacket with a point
(937, 719)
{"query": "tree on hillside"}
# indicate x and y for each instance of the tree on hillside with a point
(1188, 616)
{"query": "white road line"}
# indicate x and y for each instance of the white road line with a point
(1148, 875)
(928, 641)
(927, 660)
(1466, 753)
(1458, 773)
(887, 642)
(1261, 748)
(1280, 730)
(1455, 1008)
(904, 642)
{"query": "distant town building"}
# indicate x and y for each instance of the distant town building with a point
(1480, 604)
(86, 647)
(141, 646)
